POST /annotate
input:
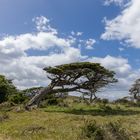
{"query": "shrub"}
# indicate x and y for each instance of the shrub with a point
(47, 102)
(51, 100)
(117, 131)
(138, 103)
(18, 98)
(103, 101)
(105, 107)
(92, 130)
(122, 101)
(110, 131)
(6, 88)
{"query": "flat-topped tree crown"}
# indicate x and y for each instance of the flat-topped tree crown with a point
(82, 68)
(84, 77)
(73, 66)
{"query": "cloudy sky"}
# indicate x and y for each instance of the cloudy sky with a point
(39, 33)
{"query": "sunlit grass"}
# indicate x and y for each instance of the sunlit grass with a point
(65, 123)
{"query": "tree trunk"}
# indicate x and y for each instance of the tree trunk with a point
(38, 97)
(136, 97)
(91, 99)
(48, 90)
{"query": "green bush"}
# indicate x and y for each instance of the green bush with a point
(6, 89)
(52, 101)
(93, 131)
(103, 101)
(17, 98)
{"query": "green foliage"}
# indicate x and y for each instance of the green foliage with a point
(75, 122)
(6, 89)
(101, 101)
(127, 102)
(8, 92)
(123, 101)
(138, 104)
(83, 77)
(18, 98)
(51, 100)
(79, 65)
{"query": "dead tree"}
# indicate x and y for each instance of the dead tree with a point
(84, 77)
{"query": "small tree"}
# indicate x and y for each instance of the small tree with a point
(135, 90)
(84, 77)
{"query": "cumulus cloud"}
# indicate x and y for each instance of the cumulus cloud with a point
(124, 72)
(125, 27)
(25, 69)
(43, 24)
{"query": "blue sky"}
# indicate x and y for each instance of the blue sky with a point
(84, 16)
(108, 34)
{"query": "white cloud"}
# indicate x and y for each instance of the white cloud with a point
(124, 72)
(43, 24)
(118, 64)
(76, 33)
(117, 2)
(125, 27)
(89, 43)
(26, 70)
(121, 49)
(79, 33)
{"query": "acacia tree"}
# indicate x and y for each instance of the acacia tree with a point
(135, 90)
(84, 77)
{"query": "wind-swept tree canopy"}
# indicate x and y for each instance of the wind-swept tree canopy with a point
(82, 77)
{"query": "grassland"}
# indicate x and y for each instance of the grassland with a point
(66, 123)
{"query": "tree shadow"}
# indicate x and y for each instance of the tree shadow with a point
(97, 112)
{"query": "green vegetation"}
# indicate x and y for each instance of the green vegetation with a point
(84, 77)
(72, 120)
(6, 88)
(63, 117)
(8, 92)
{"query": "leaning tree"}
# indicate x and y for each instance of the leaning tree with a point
(84, 77)
(135, 90)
